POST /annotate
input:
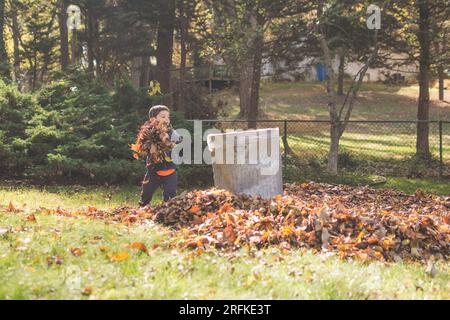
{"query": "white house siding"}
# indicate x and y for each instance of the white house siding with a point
(307, 67)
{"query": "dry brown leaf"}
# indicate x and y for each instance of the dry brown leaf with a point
(87, 291)
(76, 251)
(139, 246)
(230, 234)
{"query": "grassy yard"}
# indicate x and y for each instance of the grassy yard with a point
(307, 101)
(36, 261)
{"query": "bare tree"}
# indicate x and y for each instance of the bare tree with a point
(4, 63)
(166, 25)
(63, 34)
(423, 144)
(339, 115)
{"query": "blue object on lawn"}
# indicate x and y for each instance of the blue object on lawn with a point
(321, 72)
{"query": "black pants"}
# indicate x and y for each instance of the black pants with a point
(152, 182)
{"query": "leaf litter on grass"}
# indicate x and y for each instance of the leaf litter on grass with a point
(354, 222)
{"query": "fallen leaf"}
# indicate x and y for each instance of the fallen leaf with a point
(139, 246)
(12, 208)
(195, 209)
(54, 259)
(229, 234)
(120, 256)
(104, 249)
(87, 291)
(76, 252)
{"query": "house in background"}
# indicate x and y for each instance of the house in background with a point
(311, 69)
(215, 74)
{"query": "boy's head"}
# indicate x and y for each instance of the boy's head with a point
(160, 112)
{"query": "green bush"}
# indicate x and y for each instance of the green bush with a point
(77, 130)
(195, 175)
(15, 110)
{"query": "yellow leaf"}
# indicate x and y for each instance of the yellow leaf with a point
(120, 256)
(154, 88)
(360, 236)
(135, 147)
(286, 231)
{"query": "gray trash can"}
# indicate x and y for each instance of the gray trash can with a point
(247, 162)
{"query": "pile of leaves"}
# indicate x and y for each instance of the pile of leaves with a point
(353, 222)
(153, 140)
(358, 222)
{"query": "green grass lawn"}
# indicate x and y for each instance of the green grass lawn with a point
(28, 271)
(72, 197)
(307, 100)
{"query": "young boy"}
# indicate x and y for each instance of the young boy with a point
(165, 172)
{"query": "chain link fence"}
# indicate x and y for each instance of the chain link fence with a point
(368, 147)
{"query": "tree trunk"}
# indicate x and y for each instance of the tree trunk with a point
(164, 48)
(249, 83)
(245, 87)
(250, 72)
(333, 153)
(63, 34)
(91, 22)
(256, 78)
(145, 68)
(139, 71)
(16, 37)
(422, 145)
(140, 63)
(183, 54)
(4, 63)
(341, 70)
(441, 82)
(136, 64)
(34, 71)
(74, 50)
